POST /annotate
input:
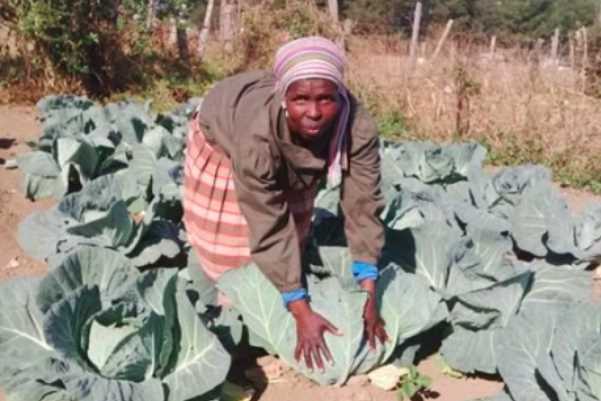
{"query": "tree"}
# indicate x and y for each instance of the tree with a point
(206, 28)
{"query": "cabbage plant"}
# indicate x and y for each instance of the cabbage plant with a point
(341, 302)
(95, 328)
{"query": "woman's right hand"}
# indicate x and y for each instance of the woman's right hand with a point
(310, 328)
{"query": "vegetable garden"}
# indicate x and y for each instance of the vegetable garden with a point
(492, 265)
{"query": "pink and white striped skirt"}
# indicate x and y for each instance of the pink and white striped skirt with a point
(217, 230)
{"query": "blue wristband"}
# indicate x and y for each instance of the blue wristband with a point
(363, 270)
(294, 295)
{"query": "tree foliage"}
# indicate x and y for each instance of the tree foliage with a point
(530, 18)
(91, 41)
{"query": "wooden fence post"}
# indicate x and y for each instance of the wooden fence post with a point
(583, 72)
(555, 48)
(442, 40)
(538, 49)
(572, 52)
(493, 47)
(417, 17)
(584, 47)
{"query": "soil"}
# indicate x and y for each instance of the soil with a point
(18, 125)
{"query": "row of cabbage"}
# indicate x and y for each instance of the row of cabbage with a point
(492, 264)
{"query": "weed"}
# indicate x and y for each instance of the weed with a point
(392, 125)
(412, 384)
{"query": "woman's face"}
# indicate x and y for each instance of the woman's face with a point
(313, 106)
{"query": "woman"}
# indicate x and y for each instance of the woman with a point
(257, 150)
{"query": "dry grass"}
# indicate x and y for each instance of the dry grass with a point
(522, 109)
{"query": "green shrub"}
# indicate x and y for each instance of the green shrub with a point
(263, 32)
(75, 37)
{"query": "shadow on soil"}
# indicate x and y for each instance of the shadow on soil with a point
(6, 143)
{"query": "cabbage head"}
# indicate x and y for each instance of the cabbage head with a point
(95, 328)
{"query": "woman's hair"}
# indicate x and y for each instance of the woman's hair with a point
(309, 57)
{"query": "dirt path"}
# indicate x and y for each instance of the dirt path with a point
(18, 125)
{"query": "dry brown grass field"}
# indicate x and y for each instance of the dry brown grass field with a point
(523, 106)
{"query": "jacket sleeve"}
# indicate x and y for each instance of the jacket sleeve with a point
(361, 196)
(273, 239)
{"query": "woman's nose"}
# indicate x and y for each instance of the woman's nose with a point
(313, 111)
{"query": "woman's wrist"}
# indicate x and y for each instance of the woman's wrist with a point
(299, 308)
(368, 285)
(294, 295)
(364, 271)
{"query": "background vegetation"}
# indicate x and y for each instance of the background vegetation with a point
(526, 104)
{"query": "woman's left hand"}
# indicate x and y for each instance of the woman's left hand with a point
(374, 325)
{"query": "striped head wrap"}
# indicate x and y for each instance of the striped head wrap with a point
(317, 57)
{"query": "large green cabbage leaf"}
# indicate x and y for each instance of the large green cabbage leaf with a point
(342, 304)
(100, 215)
(81, 141)
(95, 328)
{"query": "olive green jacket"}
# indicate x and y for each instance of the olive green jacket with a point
(243, 117)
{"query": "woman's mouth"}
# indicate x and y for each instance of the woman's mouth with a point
(312, 130)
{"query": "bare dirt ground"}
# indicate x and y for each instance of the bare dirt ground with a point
(18, 125)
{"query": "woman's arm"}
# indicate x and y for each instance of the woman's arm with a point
(275, 246)
(361, 196)
(273, 239)
(362, 203)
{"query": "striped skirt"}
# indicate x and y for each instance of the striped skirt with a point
(217, 230)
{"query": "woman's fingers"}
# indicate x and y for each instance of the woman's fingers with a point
(327, 353)
(307, 354)
(371, 336)
(375, 332)
(382, 335)
(332, 329)
(316, 350)
(297, 351)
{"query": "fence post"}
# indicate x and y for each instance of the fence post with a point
(417, 17)
(584, 57)
(584, 47)
(493, 47)
(555, 48)
(442, 40)
(572, 52)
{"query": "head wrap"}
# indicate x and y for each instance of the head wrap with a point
(317, 57)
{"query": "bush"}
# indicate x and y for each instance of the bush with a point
(74, 38)
(263, 32)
